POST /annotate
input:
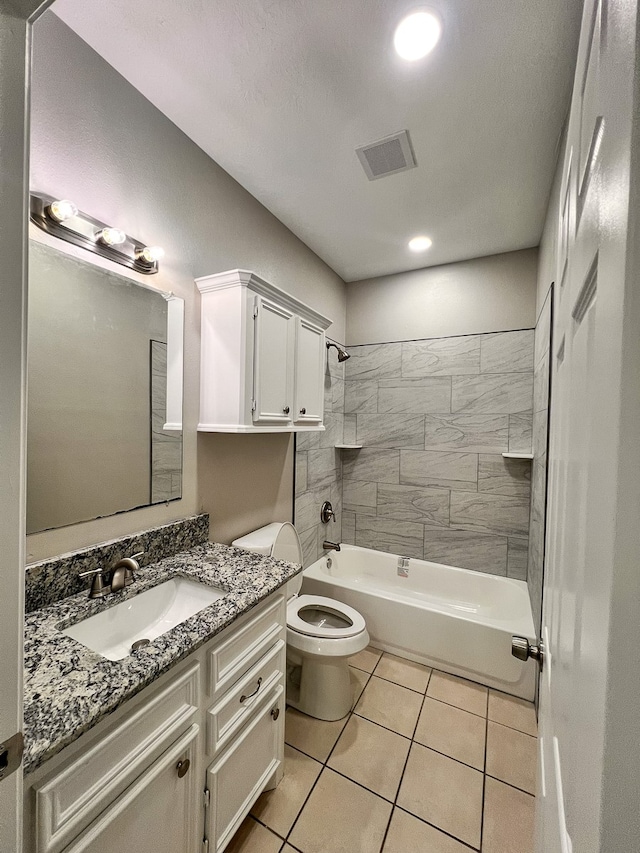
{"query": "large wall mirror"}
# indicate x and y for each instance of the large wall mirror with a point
(105, 358)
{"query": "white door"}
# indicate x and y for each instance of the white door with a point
(273, 363)
(591, 588)
(14, 147)
(309, 386)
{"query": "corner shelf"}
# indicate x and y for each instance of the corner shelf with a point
(518, 455)
(348, 446)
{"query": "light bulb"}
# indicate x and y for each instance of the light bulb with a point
(417, 35)
(420, 244)
(111, 236)
(62, 210)
(151, 254)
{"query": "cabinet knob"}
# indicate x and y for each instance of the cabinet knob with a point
(275, 713)
(183, 767)
(303, 411)
(286, 410)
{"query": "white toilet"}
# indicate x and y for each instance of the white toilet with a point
(321, 633)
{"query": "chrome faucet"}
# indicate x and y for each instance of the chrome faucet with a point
(115, 579)
(331, 546)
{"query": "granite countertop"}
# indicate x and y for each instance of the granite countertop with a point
(69, 688)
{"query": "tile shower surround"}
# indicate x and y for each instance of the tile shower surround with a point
(434, 417)
(541, 382)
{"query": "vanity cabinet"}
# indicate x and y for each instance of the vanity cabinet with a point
(182, 761)
(262, 357)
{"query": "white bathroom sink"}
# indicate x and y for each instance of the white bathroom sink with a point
(147, 616)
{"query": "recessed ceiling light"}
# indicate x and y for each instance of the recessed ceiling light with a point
(420, 244)
(417, 35)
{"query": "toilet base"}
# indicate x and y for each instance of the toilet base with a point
(319, 686)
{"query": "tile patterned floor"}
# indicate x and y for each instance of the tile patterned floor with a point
(425, 763)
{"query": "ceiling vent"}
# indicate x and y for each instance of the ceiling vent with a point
(387, 156)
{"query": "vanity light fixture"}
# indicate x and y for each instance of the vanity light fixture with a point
(62, 209)
(111, 236)
(151, 254)
(417, 35)
(420, 244)
(61, 218)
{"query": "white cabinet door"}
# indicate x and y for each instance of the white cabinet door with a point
(158, 813)
(273, 363)
(241, 773)
(309, 385)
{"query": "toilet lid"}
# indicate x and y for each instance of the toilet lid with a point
(318, 616)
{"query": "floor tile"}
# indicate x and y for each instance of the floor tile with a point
(359, 680)
(508, 819)
(315, 737)
(404, 672)
(279, 808)
(254, 838)
(444, 792)
(459, 692)
(513, 712)
(390, 705)
(370, 755)
(366, 659)
(407, 834)
(512, 756)
(341, 817)
(453, 731)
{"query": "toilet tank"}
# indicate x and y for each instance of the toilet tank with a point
(278, 540)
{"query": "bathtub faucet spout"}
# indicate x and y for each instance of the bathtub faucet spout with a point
(403, 567)
(331, 546)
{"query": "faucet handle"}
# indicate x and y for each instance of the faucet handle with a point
(91, 572)
(136, 555)
(99, 588)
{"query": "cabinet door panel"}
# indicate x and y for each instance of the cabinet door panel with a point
(157, 814)
(239, 776)
(310, 359)
(274, 340)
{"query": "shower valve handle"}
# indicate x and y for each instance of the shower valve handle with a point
(327, 513)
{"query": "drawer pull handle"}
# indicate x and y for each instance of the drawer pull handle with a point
(303, 411)
(183, 767)
(275, 713)
(286, 409)
(244, 698)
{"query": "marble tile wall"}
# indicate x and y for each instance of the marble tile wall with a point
(434, 417)
(541, 383)
(318, 469)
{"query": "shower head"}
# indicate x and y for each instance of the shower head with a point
(343, 355)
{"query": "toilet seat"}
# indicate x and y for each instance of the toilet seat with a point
(319, 602)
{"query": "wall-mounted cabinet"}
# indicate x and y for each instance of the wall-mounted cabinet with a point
(262, 358)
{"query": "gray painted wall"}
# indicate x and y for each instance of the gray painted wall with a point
(492, 294)
(98, 141)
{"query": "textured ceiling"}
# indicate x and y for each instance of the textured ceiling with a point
(281, 93)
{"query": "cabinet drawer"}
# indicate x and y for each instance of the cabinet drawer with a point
(68, 801)
(246, 696)
(245, 645)
(237, 778)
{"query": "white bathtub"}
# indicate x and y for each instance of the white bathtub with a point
(453, 619)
